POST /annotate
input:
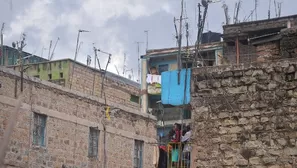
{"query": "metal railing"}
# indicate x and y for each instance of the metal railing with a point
(174, 151)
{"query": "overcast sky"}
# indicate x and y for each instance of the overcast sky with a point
(115, 25)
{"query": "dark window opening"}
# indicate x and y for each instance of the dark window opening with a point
(61, 74)
(93, 142)
(36, 76)
(138, 154)
(163, 68)
(230, 43)
(134, 99)
(189, 65)
(39, 129)
(49, 76)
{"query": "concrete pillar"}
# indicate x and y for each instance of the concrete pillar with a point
(144, 94)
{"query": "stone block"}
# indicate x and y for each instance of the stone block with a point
(255, 160)
(269, 160)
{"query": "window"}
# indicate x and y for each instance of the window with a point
(61, 74)
(39, 129)
(138, 153)
(134, 99)
(163, 68)
(36, 76)
(49, 76)
(93, 142)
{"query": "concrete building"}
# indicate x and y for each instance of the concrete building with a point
(10, 56)
(58, 127)
(88, 80)
(163, 60)
(257, 40)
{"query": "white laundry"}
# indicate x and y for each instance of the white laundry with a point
(153, 79)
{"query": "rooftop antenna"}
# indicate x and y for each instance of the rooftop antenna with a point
(176, 33)
(269, 9)
(237, 11)
(256, 6)
(117, 69)
(279, 8)
(124, 67)
(2, 48)
(138, 58)
(146, 32)
(96, 58)
(54, 49)
(108, 62)
(42, 50)
(275, 8)
(49, 49)
(89, 59)
(79, 46)
(77, 41)
(226, 11)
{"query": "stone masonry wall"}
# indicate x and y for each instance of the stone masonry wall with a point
(245, 115)
(87, 80)
(70, 114)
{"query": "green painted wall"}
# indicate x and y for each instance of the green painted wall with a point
(58, 70)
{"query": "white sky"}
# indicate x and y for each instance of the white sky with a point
(115, 25)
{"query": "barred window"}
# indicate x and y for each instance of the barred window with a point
(39, 129)
(93, 142)
(138, 154)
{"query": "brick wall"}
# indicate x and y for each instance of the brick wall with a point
(70, 114)
(245, 115)
(247, 53)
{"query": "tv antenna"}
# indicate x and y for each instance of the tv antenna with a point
(52, 55)
(117, 69)
(124, 66)
(138, 58)
(49, 50)
(269, 9)
(256, 6)
(146, 32)
(226, 11)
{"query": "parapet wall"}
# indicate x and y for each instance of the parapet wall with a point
(245, 115)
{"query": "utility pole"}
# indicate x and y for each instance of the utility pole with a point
(20, 50)
(179, 65)
(146, 32)
(2, 48)
(138, 58)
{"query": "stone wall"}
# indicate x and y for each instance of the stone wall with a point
(70, 114)
(89, 81)
(245, 115)
(288, 43)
